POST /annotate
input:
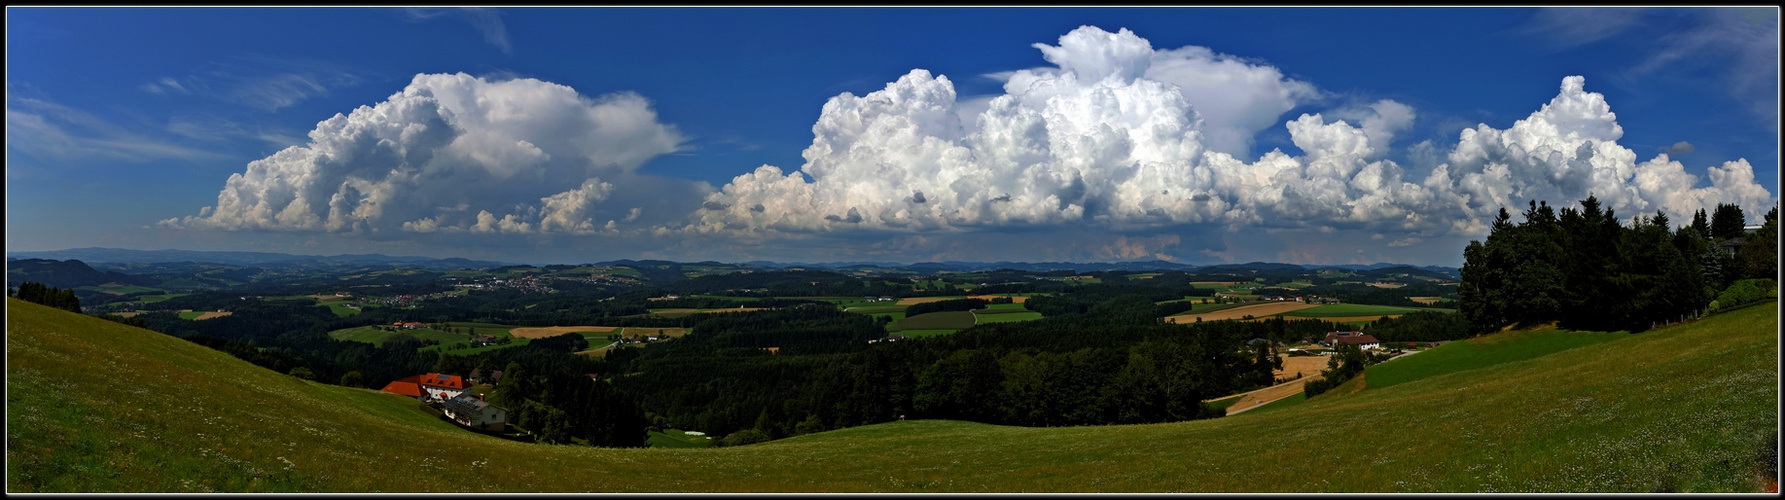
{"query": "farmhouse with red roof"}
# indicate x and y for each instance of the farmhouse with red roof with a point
(428, 386)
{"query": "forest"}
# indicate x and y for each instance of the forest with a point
(1584, 270)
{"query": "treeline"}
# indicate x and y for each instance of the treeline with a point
(1083, 298)
(947, 305)
(34, 292)
(1585, 270)
(560, 407)
(1420, 326)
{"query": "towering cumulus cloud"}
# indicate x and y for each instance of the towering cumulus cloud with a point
(451, 153)
(1124, 137)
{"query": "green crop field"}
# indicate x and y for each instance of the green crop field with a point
(151, 299)
(1006, 317)
(464, 348)
(1004, 307)
(117, 289)
(1342, 310)
(950, 320)
(1691, 407)
(372, 335)
(339, 306)
(925, 333)
(876, 309)
(191, 315)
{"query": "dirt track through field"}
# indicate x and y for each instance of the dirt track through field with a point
(540, 332)
(1256, 311)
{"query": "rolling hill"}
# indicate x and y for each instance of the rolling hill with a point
(98, 406)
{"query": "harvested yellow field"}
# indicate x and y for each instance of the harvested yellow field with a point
(211, 314)
(1256, 311)
(1305, 365)
(1017, 299)
(920, 300)
(1388, 285)
(540, 332)
(1424, 300)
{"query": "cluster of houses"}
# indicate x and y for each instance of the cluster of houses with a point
(1362, 340)
(888, 338)
(405, 300)
(636, 339)
(483, 340)
(528, 283)
(1306, 299)
(451, 393)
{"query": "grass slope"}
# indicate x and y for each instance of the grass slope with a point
(1480, 352)
(1691, 407)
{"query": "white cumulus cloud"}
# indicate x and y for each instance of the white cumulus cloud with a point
(1118, 135)
(452, 152)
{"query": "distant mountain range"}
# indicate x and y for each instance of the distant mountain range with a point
(125, 256)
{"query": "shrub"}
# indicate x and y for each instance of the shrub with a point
(1747, 291)
(744, 437)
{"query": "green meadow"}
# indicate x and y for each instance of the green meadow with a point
(1691, 407)
(1005, 317)
(949, 320)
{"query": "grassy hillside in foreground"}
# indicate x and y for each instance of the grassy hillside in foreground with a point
(98, 406)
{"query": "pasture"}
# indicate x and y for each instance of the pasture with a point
(117, 289)
(950, 320)
(982, 317)
(151, 299)
(376, 335)
(1452, 357)
(676, 438)
(925, 333)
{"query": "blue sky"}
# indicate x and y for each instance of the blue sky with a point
(1326, 135)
